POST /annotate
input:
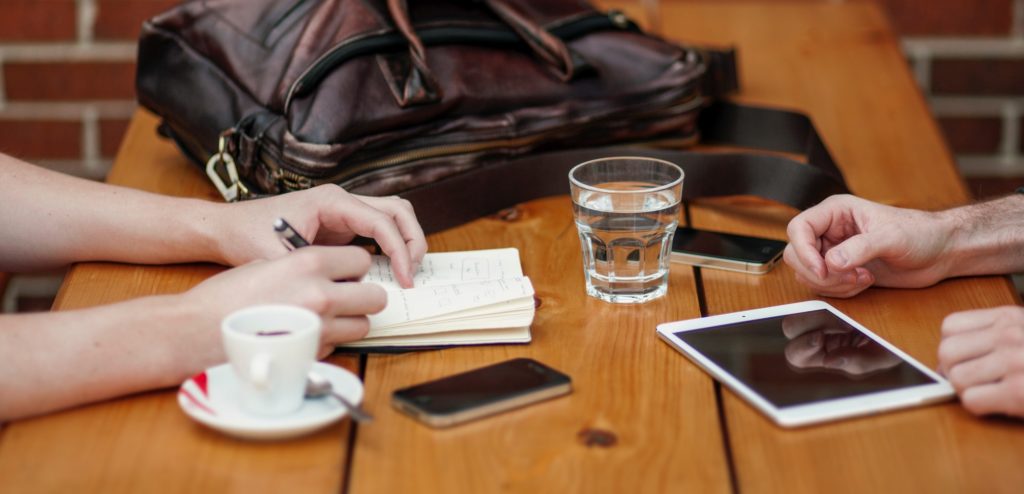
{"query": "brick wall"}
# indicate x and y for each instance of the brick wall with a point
(66, 78)
(968, 57)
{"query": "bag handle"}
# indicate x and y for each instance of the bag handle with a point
(455, 200)
(411, 83)
(551, 50)
(547, 47)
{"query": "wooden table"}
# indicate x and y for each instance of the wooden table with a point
(642, 418)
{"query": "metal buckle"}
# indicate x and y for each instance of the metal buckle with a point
(235, 190)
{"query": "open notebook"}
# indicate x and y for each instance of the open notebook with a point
(459, 298)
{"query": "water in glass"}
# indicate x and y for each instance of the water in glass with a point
(626, 240)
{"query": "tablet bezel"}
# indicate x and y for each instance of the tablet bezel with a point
(816, 412)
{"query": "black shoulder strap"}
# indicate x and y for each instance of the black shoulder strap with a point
(490, 188)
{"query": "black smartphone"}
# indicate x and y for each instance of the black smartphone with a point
(481, 392)
(726, 251)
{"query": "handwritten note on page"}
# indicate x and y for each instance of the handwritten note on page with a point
(459, 298)
(448, 268)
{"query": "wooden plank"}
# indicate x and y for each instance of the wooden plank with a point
(842, 65)
(145, 443)
(660, 411)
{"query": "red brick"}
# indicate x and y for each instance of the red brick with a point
(32, 140)
(988, 187)
(978, 77)
(37, 20)
(111, 133)
(121, 19)
(3, 283)
(1021, 124)
(69, 81)
(35, 303)
(972, 135)
(950, 17)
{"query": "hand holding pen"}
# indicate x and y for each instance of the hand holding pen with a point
(328, 215)
(292, 240)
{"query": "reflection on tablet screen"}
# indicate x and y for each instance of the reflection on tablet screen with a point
(803, 358)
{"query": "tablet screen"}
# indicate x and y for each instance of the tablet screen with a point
(802, 358)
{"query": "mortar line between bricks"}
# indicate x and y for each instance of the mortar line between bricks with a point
(85, 20)
(965, 47)
(923, 69)
(90, 138)
(1017, 29)
(991, 165)
(107, 51)
(972, 106)
(52, 110)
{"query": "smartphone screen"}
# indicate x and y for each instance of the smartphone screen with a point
(726, 251)
(480, 392)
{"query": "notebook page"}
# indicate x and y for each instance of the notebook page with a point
(448, 268)
(415, 304)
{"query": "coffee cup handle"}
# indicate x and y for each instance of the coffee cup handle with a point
(259, 369)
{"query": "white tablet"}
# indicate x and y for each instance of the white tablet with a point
(805, 363)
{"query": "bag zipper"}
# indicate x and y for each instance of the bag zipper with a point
(291, 180)
(686, 104)
(391, 41)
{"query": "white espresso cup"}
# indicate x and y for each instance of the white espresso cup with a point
(271, 349)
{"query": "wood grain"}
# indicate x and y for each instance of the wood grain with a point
(145, 443)
(842, 66)
(660, 411)
(620, 376)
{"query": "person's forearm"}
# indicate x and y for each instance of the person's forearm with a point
(55, 360)
(51, 219)
(987, 238)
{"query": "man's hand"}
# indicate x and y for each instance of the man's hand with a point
(325, 215)
(982, 355)
(845, 244)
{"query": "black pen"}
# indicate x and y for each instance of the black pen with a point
(291, 238)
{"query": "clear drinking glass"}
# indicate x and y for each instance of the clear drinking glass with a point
(626, 211)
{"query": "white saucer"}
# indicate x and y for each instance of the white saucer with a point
(209, 398)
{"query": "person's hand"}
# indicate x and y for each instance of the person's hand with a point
(818, 341)
(304, 278)
(845, 244)
(324, 215)
(982, 355)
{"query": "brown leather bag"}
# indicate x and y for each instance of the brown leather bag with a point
(464, 107)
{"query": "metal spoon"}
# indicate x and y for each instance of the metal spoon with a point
(318, 386)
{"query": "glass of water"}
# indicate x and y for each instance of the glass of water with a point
(626, 211)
